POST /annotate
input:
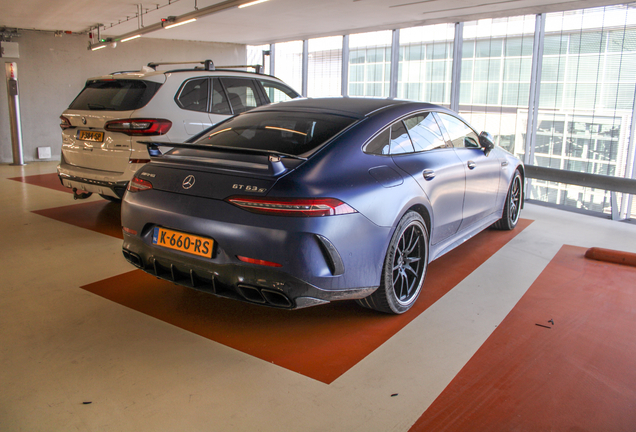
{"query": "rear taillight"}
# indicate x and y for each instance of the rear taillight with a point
(139, 126)
(138, 161)
(139, 185)
(65, 123)
(303, 207)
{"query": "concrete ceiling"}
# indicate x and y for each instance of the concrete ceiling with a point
(273, 21)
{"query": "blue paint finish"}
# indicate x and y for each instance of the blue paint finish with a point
(381, 189)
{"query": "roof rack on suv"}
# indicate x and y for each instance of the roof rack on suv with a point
(122, 72)
(208, 65)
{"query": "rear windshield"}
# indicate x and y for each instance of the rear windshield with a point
(291, 133)
(115, 95)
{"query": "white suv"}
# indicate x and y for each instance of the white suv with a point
(102, 127)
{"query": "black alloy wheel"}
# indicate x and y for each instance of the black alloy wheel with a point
(512, 207)
(404, 268)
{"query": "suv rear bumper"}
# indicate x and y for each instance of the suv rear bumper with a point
(101, 182)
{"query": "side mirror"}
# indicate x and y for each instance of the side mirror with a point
(486, 142)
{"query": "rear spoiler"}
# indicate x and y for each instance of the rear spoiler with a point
(274, 158)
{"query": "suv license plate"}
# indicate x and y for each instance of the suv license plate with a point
(183, 242)
(91, 136)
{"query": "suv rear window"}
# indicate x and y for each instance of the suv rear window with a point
(291, 133)
(115, 95)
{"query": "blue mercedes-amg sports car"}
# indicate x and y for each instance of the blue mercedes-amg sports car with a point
(315, 200)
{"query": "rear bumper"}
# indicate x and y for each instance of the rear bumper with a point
(239, 282)
(95, 181)
(322, 259)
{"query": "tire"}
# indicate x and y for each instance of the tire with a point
(404, 268)
(110, 198)
(512, 207)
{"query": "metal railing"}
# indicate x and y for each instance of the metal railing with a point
(597, 181)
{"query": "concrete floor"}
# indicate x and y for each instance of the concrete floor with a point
(62, 346)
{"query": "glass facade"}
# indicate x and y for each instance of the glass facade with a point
(426, 63)
(495, 78)
(288, 63)
(585, 108)
(586, 88)
(370, 64)
(325, 67)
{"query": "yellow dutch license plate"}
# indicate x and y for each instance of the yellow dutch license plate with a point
(183, 242)
(91, 136)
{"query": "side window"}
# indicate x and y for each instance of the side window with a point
(461, 135)
(425, 132)
(277, 92)
(400, 141)
(194, 95)
(380, 144)
(241, 94)
(220, 104)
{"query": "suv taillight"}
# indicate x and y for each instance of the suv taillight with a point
(139, 126)
(65, 123)
(304, 207)
(139, 185)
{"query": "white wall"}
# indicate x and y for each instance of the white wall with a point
(52, 71)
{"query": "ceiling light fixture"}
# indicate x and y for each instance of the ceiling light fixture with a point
(178, 20)
(244, 5)
(130, 38)
(180, 23)
(95, 48)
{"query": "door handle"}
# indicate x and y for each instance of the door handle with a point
(504, 164)
(471, 165)
(428, 174)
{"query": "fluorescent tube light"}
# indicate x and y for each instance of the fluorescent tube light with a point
(180, 23)
(244, 5)
(98, 47)
(130, 38)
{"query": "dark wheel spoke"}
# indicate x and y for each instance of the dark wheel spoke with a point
(412, 260)
(403, 285)
(412, 242)
(412, 270)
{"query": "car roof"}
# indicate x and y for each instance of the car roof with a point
(150, 74)
(347, 106)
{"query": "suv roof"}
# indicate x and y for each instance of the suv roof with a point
(150, 70)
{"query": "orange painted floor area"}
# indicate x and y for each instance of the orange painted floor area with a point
(100, 216)
(322, 342)
(51, 181)
(564, 359)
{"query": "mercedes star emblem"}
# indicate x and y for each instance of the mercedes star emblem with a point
(188, 182)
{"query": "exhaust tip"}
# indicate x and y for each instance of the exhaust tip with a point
(133, 258)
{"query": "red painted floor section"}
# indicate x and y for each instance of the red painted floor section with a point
(101, 216)
(577, 373)
(51, 181)
(322, 342)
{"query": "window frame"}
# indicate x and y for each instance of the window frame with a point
(448, 143)
(182, 87)
(277, 85)
(447, 135)
(258, 94)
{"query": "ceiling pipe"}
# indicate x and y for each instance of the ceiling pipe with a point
(209, 10)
